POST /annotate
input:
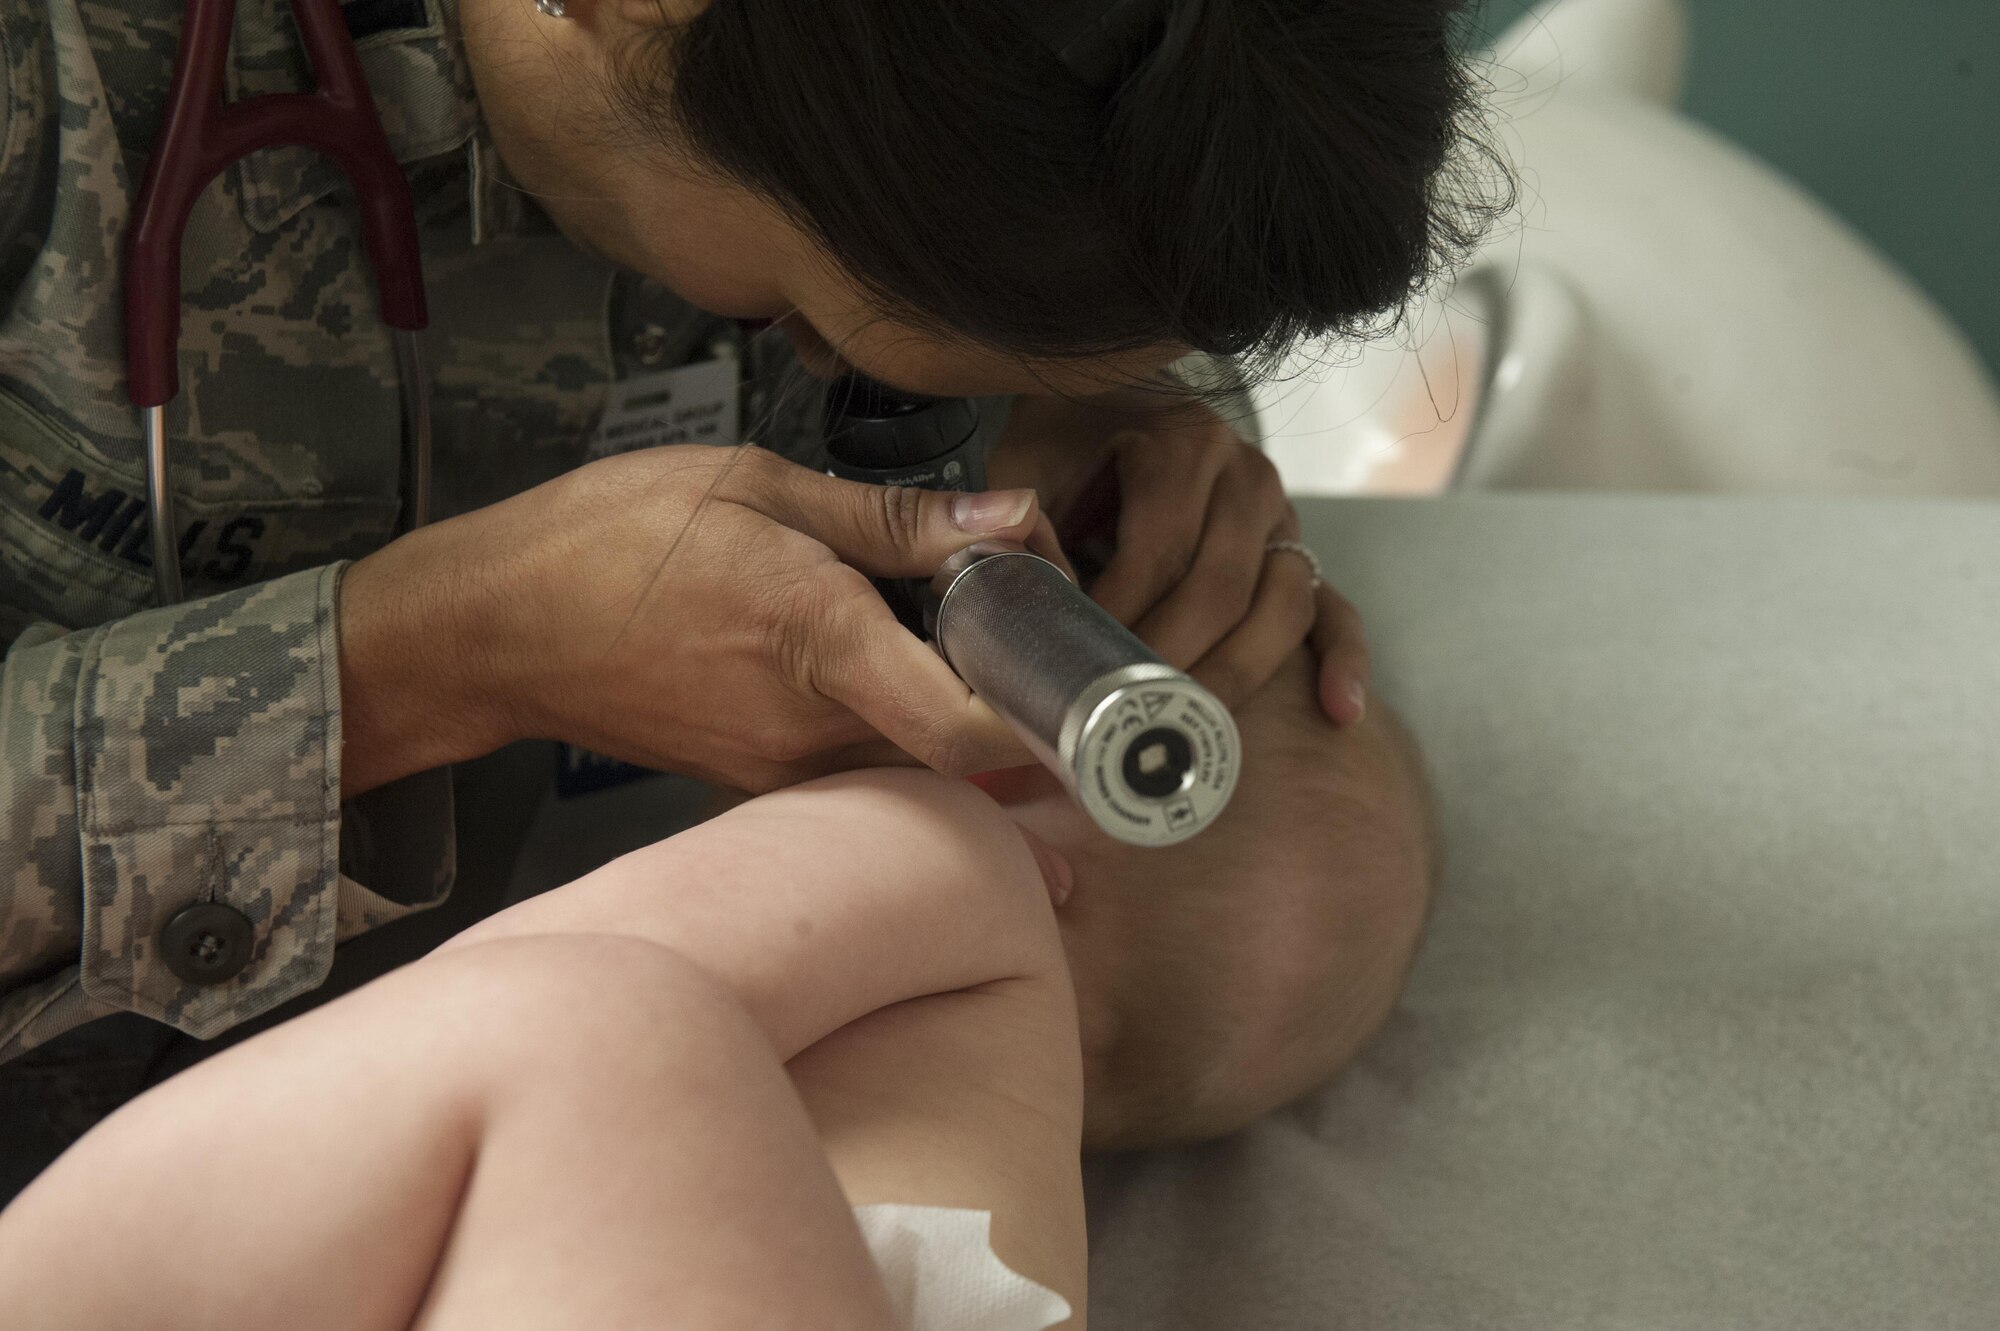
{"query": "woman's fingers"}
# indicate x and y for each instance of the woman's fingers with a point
(1165, 489)
(1247, 510)
(886, 531)
(1277, 624)
(869, 663)
(1342, 646)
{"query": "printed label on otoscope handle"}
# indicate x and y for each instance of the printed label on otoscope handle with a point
(1180, 718)
(689, 404)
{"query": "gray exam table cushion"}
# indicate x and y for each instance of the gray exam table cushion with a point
(1704, 1034)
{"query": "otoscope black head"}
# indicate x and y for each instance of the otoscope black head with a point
(873, 426)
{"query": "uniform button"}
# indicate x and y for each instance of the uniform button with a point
(207, 943)
(649, 344)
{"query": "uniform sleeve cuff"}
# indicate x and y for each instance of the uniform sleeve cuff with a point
(208, 794)
(398, 852)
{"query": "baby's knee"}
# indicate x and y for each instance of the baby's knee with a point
(965, 841)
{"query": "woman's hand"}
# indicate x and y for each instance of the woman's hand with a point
(1192, 512)
(697, 609)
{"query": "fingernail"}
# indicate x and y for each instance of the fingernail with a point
(995, 510)
(1357, 695)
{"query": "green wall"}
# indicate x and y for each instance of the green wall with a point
(1888, 110)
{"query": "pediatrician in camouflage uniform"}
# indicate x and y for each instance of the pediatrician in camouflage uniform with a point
(200, 801)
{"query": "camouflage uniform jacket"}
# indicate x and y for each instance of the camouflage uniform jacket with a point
(155, 758)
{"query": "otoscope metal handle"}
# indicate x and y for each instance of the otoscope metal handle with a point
(1149, 754)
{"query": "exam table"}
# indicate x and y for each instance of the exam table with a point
(1703, 1033)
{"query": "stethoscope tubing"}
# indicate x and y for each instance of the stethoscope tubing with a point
(160, 508)
(414, 373)
(200, 135)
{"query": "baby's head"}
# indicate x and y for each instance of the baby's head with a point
(1223, 978)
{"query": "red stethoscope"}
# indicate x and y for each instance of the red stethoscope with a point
(200, 136)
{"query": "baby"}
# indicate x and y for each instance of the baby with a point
(654, 1097)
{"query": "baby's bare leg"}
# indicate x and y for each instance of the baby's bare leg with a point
(897, 941)
(970, 1100)
(821, 904)
(547, 1130)
(530, 1133)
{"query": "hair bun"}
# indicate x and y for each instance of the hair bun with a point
(1099, 41)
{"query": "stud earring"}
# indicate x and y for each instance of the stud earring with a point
(553, 8)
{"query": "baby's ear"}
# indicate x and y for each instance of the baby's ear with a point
(1056, 869)
(1017, 785)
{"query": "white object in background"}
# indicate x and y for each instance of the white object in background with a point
(1670, 314)
(1386, 418)
(1635, 47)
(942, 1274)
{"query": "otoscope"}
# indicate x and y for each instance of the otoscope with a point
(1149, 754)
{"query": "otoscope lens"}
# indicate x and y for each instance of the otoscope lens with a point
(1159, 763)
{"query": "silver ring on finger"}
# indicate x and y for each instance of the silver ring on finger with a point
(1303, 551)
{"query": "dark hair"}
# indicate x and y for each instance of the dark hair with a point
(1274, 169)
